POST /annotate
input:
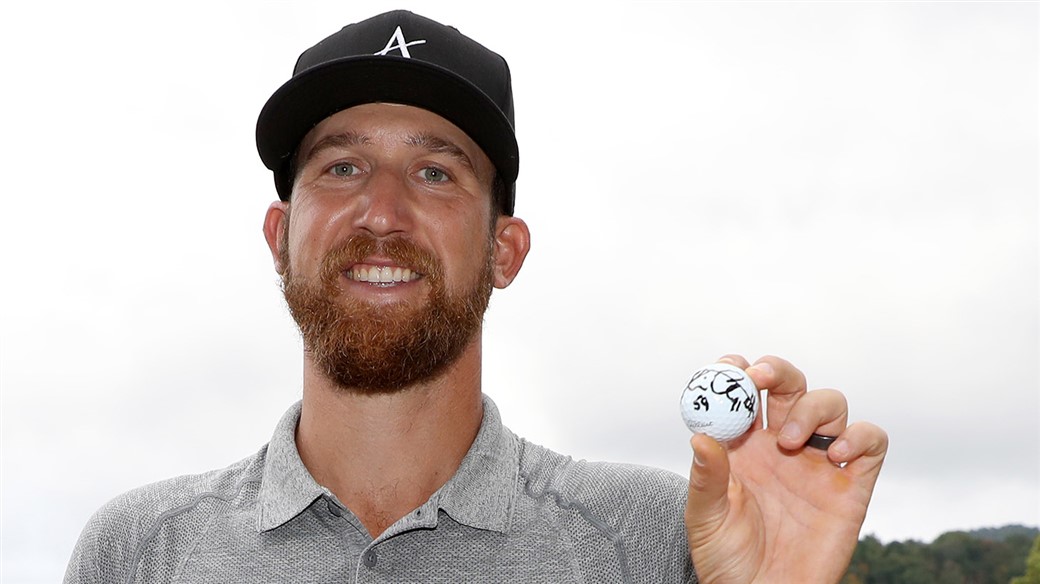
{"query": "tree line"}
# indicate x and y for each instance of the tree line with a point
(987, 556)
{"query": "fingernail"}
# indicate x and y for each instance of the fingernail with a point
(696, 459)
(791, 431)
(763, 368)
(840, 449)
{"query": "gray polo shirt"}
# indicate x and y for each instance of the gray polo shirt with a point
(514, 512)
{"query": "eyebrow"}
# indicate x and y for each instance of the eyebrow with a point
(437, 144)
(343, 140)
(426, 141)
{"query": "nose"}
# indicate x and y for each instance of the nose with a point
(384, 207)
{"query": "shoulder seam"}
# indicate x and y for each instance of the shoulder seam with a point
(565, 502)
(139, 552)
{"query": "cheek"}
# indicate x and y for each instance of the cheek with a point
(302, 249)
(474, 250)
(312, 228)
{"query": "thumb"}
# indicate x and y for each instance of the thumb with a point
(708, 503)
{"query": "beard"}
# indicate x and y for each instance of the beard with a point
(379, 349)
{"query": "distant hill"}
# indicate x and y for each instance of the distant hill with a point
(1002, 533)
(981, 556)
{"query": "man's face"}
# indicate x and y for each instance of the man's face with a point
(387, 254)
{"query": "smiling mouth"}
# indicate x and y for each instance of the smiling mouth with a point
(382, 276)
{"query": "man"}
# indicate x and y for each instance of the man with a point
(394, 157)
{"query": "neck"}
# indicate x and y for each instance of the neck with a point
(384, 455)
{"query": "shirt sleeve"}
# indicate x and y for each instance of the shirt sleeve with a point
(104, 551)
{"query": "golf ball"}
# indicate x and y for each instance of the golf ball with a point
(720, 401)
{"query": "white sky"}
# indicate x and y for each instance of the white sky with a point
(851, 186)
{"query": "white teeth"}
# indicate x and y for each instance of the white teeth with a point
(381, 274)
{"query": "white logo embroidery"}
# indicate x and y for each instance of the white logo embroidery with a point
(397, 42)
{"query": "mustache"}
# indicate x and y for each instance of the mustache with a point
(400, 250)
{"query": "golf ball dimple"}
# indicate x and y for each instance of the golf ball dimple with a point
(720, 401)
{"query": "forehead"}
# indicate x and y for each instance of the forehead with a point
(387, 125)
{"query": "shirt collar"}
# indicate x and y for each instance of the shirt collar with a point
(480, 494)
(482, 491)
(287, 487)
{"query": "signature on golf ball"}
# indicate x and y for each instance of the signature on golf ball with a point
(720, 401)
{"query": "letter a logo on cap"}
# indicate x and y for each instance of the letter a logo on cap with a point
(397, 42)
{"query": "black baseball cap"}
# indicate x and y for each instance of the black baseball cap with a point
(396, 57)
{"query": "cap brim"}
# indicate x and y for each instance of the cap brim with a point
(319, 92)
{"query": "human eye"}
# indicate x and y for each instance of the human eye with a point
(343, 169)
(434, 175)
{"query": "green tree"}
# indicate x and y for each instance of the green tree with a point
(869, 552)
(1032, 575)
(905, 563)
(990, 556)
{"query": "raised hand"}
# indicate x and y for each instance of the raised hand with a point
(767, 508)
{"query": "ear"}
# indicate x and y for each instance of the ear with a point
(274, 225)
(512, 242)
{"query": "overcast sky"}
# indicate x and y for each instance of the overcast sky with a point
(853, 187)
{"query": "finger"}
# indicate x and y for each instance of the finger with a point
(735, 360)
(707, 504)
(784, 385)
(823, 411)
(862, 448)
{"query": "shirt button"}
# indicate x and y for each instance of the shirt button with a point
(369, 558)
(334, 509)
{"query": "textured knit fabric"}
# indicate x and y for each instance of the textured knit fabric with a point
(513, 512)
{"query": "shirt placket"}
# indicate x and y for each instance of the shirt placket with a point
(376, 563)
